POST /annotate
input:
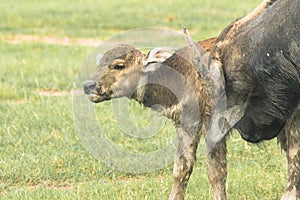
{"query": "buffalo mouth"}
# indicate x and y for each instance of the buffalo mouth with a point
(94, 93)
(95, 98)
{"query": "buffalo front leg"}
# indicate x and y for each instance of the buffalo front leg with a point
(292, 134)
(216, 166)
(184, 163)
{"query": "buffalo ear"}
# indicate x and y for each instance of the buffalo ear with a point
(159, 55)
(156, 57)
(98, 58)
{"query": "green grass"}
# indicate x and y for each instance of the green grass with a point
(42, 154)
(102, 19)
(27, 68)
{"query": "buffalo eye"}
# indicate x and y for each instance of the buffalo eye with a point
(119, 66)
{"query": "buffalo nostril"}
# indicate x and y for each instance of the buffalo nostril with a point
(89, 86)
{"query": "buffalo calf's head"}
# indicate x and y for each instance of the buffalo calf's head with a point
(120, 72)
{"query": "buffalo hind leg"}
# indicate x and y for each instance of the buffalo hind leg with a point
(184, 163)
(291, 143)
(216, 166)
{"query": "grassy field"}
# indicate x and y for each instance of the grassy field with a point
(42, 155)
